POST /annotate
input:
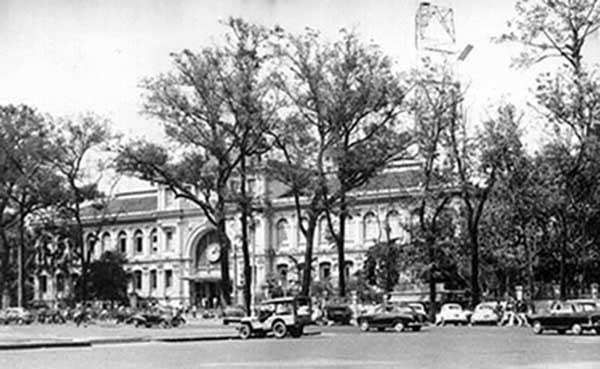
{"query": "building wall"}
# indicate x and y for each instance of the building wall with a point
(170, 232)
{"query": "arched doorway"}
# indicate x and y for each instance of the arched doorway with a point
(205, 277)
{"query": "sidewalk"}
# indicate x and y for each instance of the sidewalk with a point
(14, 337)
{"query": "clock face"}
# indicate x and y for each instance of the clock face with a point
(213, 252)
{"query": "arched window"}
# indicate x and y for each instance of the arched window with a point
(325, 271)
(91, 243)
(348, 269)
(138, 239)
(154, 241)
(323, 231)
(137, 279)
(105, 242)
(394, 224)
(282, 271)
(371, 229)
(350, 230)
(60, 282)
(282, 233)
(123, 242)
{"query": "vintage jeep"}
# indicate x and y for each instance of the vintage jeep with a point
(281, 316)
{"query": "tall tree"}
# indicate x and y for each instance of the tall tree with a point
(28, 183)
(434, 108)
(350, 95)
(80, 159)
(215, 107)
(568, 98)
(479, 162)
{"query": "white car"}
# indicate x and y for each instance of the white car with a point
(452, 313)
(485, 313)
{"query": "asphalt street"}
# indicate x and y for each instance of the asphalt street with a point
(337, 347)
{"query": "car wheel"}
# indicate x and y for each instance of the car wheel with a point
(416, 328)
(576, 329)
(561, 331)
(399, 327)
(364, 326)
(598, 331)
(279, 329)
(245, 331)
(537, 327)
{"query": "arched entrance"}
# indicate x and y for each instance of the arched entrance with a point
(205, 276)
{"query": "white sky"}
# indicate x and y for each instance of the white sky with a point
(69, 56)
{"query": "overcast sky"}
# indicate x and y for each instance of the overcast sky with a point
(68, 56)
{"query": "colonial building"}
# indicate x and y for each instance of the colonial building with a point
(173, 253)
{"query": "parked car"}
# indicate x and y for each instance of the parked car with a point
(419, 308)
(163, 318)
(485, 313)
(233, 314)
(385, 316)
(17, 315)
(280, 316)
(337, 313)
(452, 313)
(564, 316)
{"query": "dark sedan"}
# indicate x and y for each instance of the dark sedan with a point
(390, 316)
(564, 316)
(340, 314)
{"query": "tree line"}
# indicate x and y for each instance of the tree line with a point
(324, 118)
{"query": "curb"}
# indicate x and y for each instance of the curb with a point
(118, 340)
(40, 345)
(122, 340)
(195, 338)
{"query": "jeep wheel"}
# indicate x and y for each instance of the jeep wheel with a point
(245, 331)
(576, 329)
(537, 327)
(399, 326)
(279, 329)
(364, 326)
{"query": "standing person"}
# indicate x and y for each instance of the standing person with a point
(521, 310)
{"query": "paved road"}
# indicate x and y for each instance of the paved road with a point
(448, 347)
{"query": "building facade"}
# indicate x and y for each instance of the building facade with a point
(173, 251)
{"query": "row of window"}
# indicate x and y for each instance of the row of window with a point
(60, 282)
(395, 224)
(152, 279)
(325, 270)
(138, 241)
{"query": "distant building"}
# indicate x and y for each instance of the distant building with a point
(173, 254)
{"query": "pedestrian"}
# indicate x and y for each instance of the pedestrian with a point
(521, 310)
(194, 311)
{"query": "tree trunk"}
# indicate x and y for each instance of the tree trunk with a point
(563, 272)
(4, 262)
(529, 261)
(431, 281)
(475, 292)
(340, 247)
(20, 249)
(224, 259)
(245, 249)
(308, 252)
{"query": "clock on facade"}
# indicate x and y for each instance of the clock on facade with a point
(213, 252)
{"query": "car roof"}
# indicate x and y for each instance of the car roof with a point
(278, 300)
